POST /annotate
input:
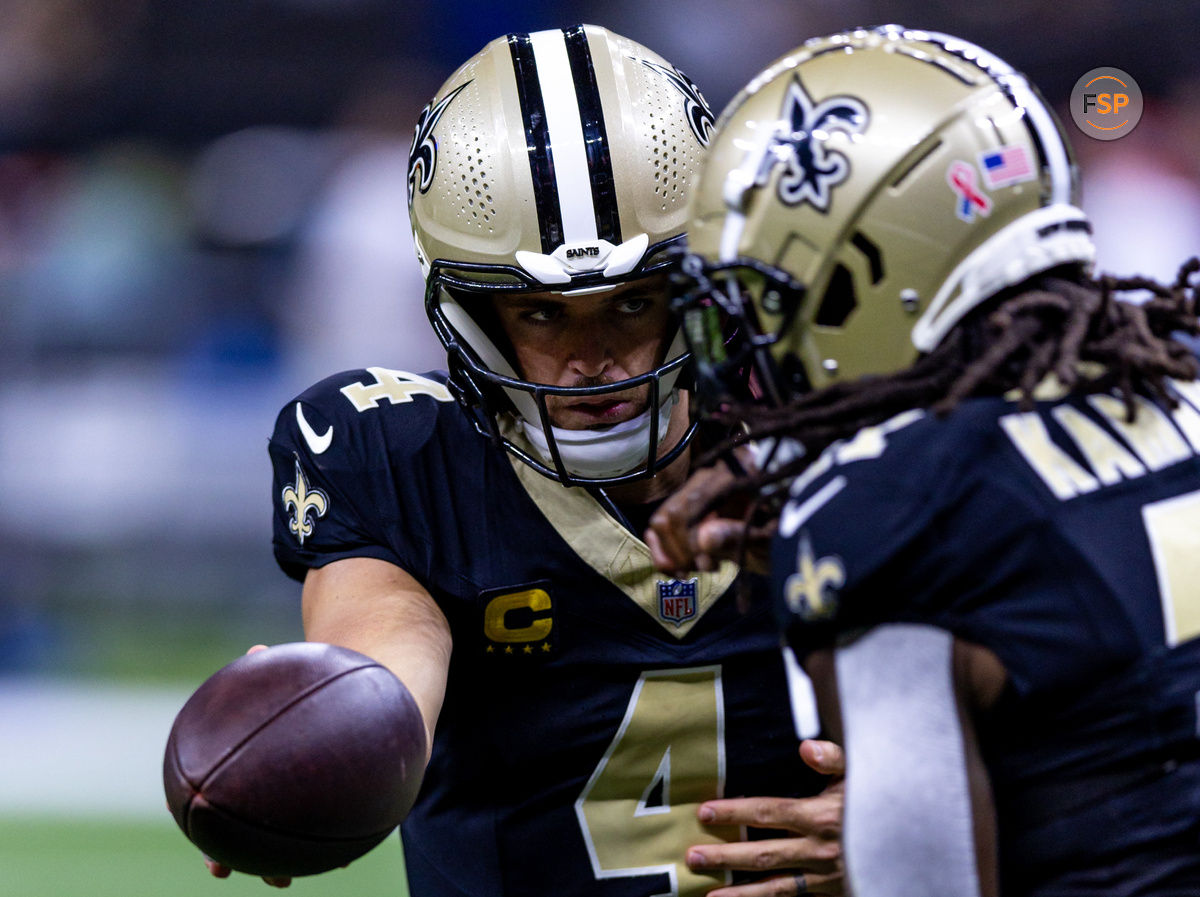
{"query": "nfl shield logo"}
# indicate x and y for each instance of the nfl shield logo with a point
(677, 600)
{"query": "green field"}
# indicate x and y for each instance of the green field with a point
(96, 652)
(57, 858)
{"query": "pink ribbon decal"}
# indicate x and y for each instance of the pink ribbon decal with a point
(962, 179)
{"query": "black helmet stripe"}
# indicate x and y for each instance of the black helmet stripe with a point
(595, 136)
(569, 159)
(537, 139)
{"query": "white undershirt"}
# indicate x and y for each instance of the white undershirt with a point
(908, 828)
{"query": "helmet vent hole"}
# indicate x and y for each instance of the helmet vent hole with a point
(913, 165)
(666, 135)
(472, 160)
(871, 252)
(839, 300)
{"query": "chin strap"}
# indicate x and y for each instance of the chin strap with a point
(605, 452)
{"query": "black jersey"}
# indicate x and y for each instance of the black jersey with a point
(1066, 540)
(591, 703)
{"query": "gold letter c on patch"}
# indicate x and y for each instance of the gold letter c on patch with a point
(497, 609)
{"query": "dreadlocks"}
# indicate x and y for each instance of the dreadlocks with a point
(1059, 324)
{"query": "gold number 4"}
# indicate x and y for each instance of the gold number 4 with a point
(638, 810)
(1173, 526)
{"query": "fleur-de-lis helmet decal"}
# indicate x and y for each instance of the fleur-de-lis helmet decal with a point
(812, 170)
(422, 157)
(699, 115)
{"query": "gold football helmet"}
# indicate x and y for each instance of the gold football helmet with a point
(558, 160)
(861, 195)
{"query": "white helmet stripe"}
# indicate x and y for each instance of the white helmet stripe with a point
(571, 173)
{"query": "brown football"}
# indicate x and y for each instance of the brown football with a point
(294, 760)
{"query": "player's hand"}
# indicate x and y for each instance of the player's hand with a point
(677, 546)
(215, 869)
(812, 858)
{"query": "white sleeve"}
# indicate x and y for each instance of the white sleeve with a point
(908, 828)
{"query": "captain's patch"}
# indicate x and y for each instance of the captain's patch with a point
(518, 621)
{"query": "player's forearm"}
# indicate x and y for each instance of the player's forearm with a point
(378, 609)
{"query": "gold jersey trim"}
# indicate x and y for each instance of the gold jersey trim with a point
(612, 551)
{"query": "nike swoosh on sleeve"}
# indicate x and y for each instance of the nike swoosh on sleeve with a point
(318, 444)
(794, 515)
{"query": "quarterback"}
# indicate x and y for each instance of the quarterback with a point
(984, 465)
(596, 727)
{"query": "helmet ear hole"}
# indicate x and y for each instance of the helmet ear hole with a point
(839, 299)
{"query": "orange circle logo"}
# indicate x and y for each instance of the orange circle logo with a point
(1106, 103)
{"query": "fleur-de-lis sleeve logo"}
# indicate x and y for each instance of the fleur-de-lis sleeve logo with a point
(422, 156)
(811, 169)
(303, 503)
(811, 592)
(699, 115)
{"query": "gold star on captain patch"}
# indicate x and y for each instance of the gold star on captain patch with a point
(545, 646)
(508, 649)
(529, 649)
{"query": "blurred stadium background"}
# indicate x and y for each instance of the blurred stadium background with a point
(202, 210)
